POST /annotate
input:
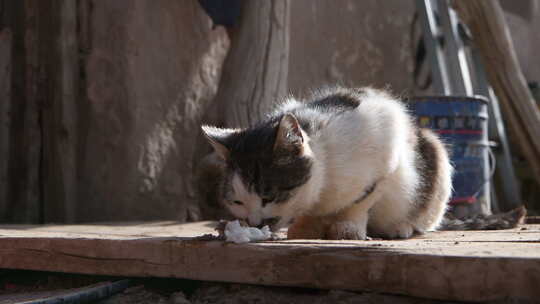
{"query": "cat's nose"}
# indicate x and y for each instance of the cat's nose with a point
(254, 222)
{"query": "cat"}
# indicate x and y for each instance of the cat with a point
(335, 166)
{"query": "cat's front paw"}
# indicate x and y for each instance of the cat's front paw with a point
(307, 228)
(346, 230)
(401, 231)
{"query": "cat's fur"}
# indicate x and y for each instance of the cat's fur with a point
(344, 161)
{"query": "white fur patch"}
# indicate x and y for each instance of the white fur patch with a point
(251, 208)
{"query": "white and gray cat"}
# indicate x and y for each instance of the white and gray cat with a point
(343, 164)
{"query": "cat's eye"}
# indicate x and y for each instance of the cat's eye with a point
(266, 201)
(239, 203)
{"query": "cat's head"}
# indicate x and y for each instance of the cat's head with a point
(266, 168)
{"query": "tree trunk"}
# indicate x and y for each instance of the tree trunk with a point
(491, 36)
(254, 77)
(255, 72)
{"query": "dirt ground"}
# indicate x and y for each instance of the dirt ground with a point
(19, 286)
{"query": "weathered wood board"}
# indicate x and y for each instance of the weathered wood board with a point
(457, 265)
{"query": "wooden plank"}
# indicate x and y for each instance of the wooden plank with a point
(453, 265)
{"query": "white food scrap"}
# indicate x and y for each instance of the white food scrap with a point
(234, 232)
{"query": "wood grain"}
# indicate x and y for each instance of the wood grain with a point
(5, 97)
(59, 58)
(464, 266)
(255, 71)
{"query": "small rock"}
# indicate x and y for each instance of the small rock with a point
(178, 298)
(135, 295)
(239, 293)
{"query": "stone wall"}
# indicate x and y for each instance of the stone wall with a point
(354, 43)
(151, 71)
(523, 18)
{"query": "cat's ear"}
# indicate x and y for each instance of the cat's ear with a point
(289, 136)
(217, 138)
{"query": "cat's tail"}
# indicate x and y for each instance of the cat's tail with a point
(506, 220)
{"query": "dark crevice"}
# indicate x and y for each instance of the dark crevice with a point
(84, 13)
(41, 169)
(46, 32)
(4, 15)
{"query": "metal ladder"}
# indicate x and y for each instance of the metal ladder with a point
(456, 69)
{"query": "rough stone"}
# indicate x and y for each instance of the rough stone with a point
(151, 71)
(136, 295)
(178, 298)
